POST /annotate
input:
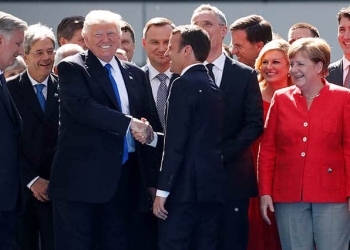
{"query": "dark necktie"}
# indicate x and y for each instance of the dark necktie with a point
(116, 92)
(210, 71)
(5, 91)
(347, 79)
(39, 94)
(161, 97)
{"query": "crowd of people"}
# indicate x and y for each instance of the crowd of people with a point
(195, 150)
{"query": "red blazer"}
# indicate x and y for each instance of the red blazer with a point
(305, 154)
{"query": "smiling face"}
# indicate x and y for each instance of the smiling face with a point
(155, 44)
(274, 67)
(344, 36)
(103, 40)
(175, 54)
(40, 59)
(304, 71)
(10, 48)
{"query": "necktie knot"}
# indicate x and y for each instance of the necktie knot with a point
(39, 87)
(108, 67)
(210, 66)
(162, 77)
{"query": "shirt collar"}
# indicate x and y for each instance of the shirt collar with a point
(113, 63)
(153, 72)
(346, 63)
(218, 62)
(34, 82)
(188, 67)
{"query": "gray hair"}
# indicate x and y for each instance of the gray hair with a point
(66, 50)
(101, 17)
(36, 32)
(207, 7)
(10, 23)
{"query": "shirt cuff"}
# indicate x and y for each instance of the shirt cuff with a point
(162, 193)
(32, 182)
(155, 140)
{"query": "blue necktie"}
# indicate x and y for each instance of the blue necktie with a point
(5, 91)
(210, 71)
(116, 92)
(39, 94)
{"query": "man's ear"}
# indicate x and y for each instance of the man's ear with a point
(259, 46)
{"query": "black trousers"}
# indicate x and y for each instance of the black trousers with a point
(7, 229)
(189, 222)
(87, 226)
(234, 226)
(34, 227)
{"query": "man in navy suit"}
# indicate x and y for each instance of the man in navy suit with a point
(243, 124)
(39, 136)
(339, 70)
(190, 183)
(96, 162)
(11, 45)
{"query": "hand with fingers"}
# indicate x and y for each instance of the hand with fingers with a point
(39, 189)
(265, 203)
(158, 208)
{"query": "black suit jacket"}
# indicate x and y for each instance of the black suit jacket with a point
(88, 160)
(39, 137)
(243, 124)
(335, 75)
(192, 169)
(9, 171)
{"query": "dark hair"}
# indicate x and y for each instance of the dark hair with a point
(68, 26)
(313, 29)
(256, 27)
(344, 12)
(157, 21)
(197, 38)
(126, 27)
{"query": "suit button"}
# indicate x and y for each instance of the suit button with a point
(304, 139)
(302, 154)
(329, 170)
(236, 209)
(305, 124)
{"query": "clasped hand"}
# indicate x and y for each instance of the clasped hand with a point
(141, 130)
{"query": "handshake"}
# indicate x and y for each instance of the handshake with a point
(141, 130)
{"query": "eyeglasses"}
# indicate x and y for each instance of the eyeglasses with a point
(235, 46)
(41, 53)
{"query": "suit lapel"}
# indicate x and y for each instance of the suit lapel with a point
(227, 74)
(52, 96)
(26, 91)
(99, 73)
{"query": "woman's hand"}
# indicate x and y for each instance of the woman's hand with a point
(265, 203)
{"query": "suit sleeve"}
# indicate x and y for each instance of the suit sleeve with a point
(253, 121)
(178, 123)
(75, 96)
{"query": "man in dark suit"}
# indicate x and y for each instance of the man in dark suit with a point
(39, 137)
(339, 72)
(156, 34)
(96, 164)
(190, 184)
(243, 124)
(11, 45)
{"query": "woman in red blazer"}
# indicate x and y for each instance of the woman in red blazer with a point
(304, 158)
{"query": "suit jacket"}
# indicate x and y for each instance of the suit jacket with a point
(243, 124)
(336, 73)
(192, 169)
(305, 154)
(9, 170)
(39, 137)
(88, 160)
